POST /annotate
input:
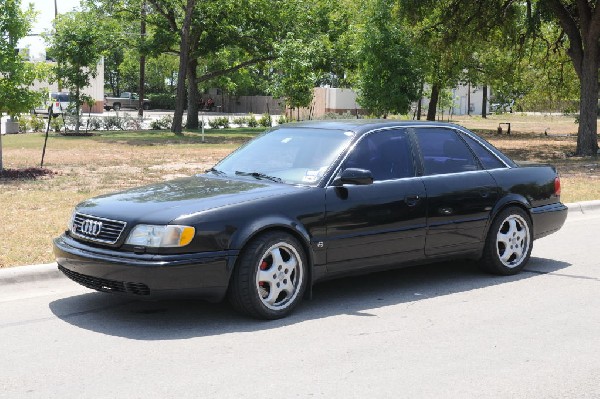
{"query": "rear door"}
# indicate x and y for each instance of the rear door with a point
(380, 223)
(460, 193)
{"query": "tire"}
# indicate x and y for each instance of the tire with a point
(116, 106)
(270, 277)
(146, 106)
(508, 243)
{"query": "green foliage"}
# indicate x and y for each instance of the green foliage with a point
(265, 120)
(163, 123)
(16, 75)
(162, 101)
(252, 122)
(282, 119)
(388, 72)
(240, 121)
(113, 122)
(220, 122)
(77, 42)
(94, 123)
(57, 124)
(297, 77)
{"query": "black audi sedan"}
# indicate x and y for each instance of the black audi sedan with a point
(309, 201)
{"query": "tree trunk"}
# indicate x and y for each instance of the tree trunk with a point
(582, 26)
(587, 135)
(433, 101)
(469, 99)
(142, 61)
(184, 49)
(77, 108)
(192, 113)
(484, 100)
(1, 143)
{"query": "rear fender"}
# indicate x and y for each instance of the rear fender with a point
(506, 201)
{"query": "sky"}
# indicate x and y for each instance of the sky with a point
(45, 16)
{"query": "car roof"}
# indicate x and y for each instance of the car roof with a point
(360, 126)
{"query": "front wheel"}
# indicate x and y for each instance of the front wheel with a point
(270, 277)
(509, 242)
(117, 107)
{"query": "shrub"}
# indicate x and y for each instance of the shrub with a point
(252, 122)
(240, 121)
(23, 124)
(56, 124)
(282, 119)
(37, 123)
(265, 120)
(162, 101)
(217, 123)
(132, 123)
(163, 123)
(94, 123)
(114, 122)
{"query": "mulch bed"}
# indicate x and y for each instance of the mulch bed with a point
(26, 174)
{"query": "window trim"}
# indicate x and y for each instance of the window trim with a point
(416, 152)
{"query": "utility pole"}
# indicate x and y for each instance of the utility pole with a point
(142, 59)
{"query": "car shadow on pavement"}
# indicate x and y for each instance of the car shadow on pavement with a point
(184, 318)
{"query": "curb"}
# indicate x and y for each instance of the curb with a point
(584, 207)
(49, 271)
(29, 274)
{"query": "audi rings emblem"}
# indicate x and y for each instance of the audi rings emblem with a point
(91, 227)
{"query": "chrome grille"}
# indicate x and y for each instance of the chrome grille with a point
(97, 229)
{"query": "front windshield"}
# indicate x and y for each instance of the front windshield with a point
(290, 155)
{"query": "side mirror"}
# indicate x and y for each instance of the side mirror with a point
(358, 177)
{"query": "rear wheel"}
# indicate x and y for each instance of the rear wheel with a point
(509, 242)
(270, 277)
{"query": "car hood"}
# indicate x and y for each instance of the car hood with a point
(161, 203)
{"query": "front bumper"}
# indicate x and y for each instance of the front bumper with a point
(205, 275)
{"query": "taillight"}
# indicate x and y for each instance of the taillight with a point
(57, 105)
(557, 186)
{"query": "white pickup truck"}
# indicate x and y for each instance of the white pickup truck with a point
(126, 100)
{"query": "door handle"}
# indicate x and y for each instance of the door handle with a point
(412, 200)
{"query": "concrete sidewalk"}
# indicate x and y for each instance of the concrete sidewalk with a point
(49, 271)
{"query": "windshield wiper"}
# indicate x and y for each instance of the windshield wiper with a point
(259, 175)
(216, 171)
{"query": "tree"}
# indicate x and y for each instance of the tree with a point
(16, 75)
(388, 73)
(581, 22)
(295, 76)
(579, 19)
(77, 43)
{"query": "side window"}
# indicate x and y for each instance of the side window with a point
(444, 152)
(386, 154)
(488, 160)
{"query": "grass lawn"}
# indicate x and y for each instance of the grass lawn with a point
(35, 211)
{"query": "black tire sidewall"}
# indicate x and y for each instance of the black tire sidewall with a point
(243, 283)
(490, 260)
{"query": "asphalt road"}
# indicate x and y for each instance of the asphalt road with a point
(439, 331)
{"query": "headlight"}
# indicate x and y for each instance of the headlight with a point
(161, 236)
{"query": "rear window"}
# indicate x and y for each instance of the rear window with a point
(488, 160)
(444, 152)
(61, 97)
